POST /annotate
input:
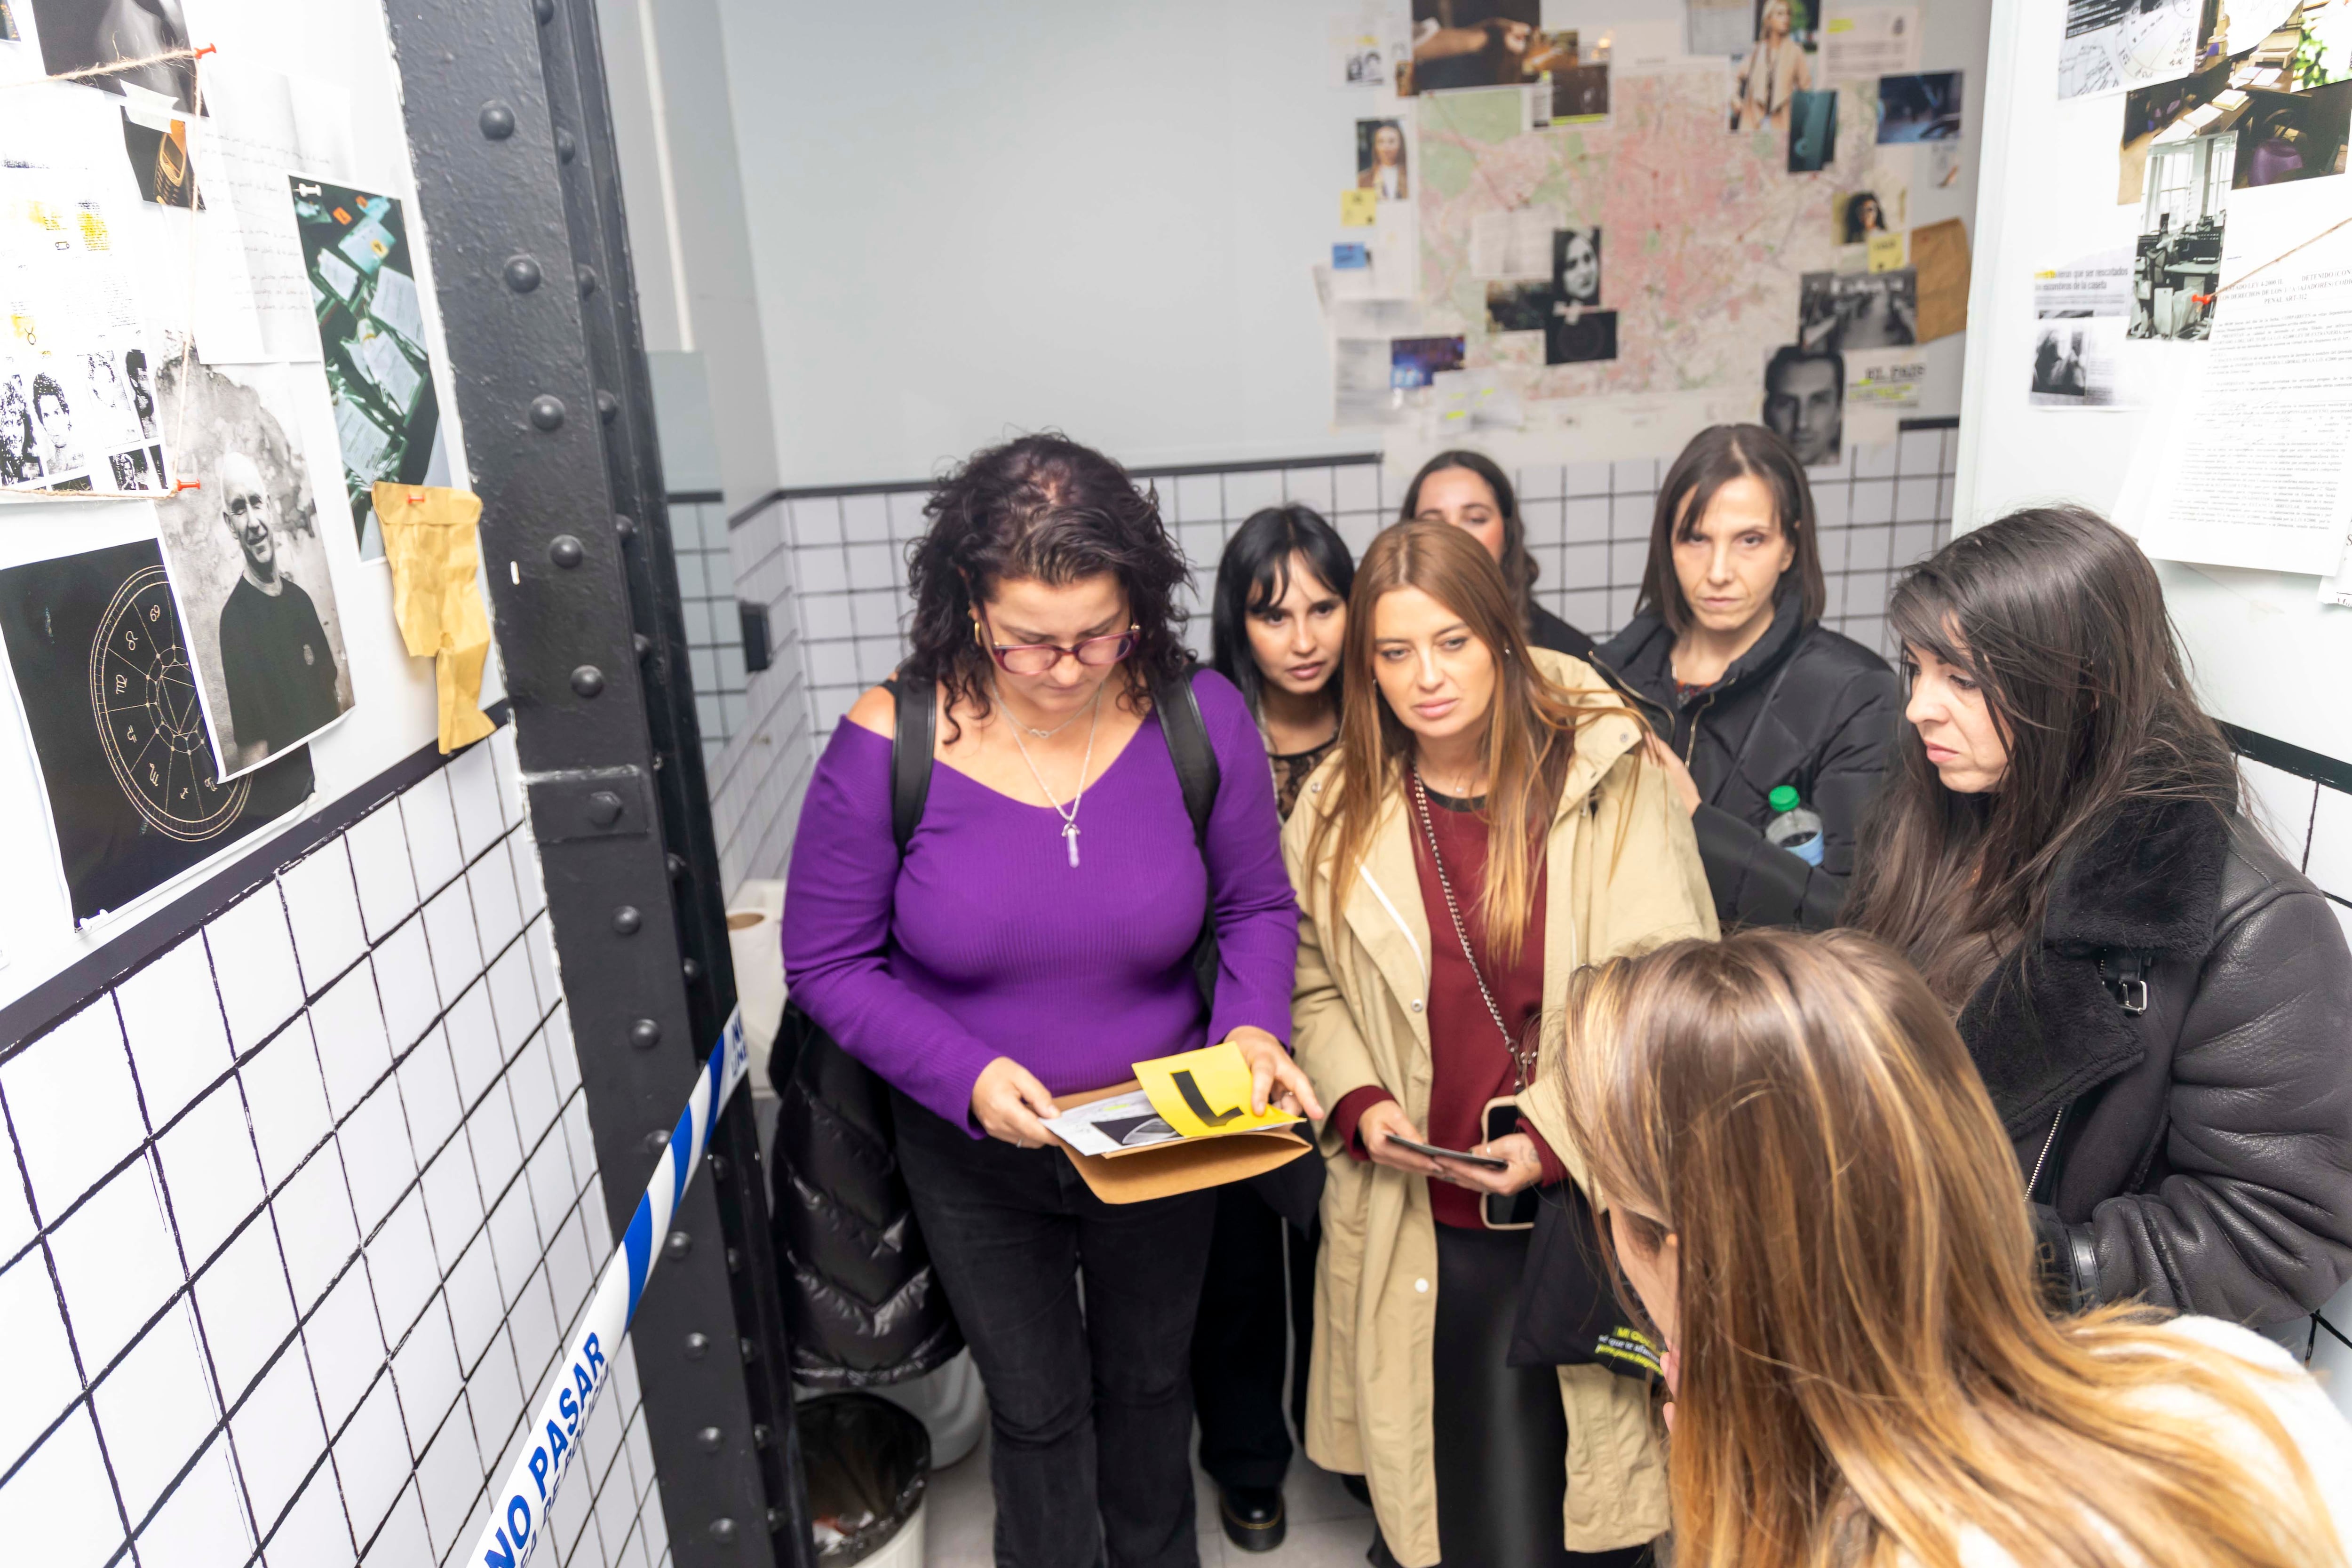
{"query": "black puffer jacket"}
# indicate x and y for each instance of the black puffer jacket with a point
(2197, 1152)
(1828, 708)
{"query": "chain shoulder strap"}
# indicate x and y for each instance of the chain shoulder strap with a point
(1462, 933)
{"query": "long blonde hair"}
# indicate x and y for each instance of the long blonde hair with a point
(1865, 1364)
(1531, 726)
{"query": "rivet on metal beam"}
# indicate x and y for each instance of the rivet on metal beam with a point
(708, 1439)
(627, 527)
(656, 1140)
(544, 10)
(565, 552)
(762, 1434)
(675, 864)
(751, 1351)
(734, 1260)
(698, 1345)
(777, 1520)
(722, 1530)
(643, 644)
(626, 921)
(677, 1245)
(588, 680)
(718, 1167)
(607, 405)
(566, 149)
(645, 1034)
(521, 274)
(587, 276)
(547, 411)
(604, 808)
(498, 120)
(691, 968)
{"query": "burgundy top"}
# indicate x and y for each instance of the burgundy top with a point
(1469, 1064)
(986, 942)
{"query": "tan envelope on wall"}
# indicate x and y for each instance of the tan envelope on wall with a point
(436, 554)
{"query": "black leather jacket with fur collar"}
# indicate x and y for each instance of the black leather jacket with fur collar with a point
(2174, 1063)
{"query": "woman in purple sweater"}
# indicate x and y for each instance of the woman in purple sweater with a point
(1036, 940)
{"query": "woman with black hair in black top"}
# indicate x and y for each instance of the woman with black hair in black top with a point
(1277, 617)
(1470, 492)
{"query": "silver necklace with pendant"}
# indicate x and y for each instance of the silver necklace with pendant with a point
(1070, 816)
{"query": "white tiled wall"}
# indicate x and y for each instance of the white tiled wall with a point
(757, 781)
(714, 630)
(2311, 825)
(294, 1217)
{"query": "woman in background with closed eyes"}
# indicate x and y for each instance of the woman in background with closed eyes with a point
(1468, 490)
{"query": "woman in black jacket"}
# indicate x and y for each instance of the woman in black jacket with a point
(1748, 692)
(1466, 489)
(2159, 1004)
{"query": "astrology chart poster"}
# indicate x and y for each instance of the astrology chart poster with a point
(101, 673)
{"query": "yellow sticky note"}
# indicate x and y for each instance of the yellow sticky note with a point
(1205, 1092)
(1358, 208)
(1886, 252)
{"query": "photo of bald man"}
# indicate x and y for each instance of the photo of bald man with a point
(275, 658)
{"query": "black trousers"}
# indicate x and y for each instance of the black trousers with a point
(1258, 1299)
(1090, 1411)
(1501, 1434)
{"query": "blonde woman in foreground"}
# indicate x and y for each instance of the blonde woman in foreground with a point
(1807, 1186)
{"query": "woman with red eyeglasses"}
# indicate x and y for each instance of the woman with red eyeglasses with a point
(1035, 938)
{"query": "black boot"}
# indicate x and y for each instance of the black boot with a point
(1252, 1516)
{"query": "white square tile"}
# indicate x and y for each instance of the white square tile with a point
(202, 1524)
(453, 1200)
(287, 1098)
(253, 960)
(371, 1458)
(533, 1325)
(474, 1047)
(244, 1304)
(404, 984)
(17, 1226)
(278, 1435)
(1198, 499)
(449, 929)
(871, 566)
(625, 1378)
(562, 1055)
(508, 763)
(656, 1534)
(1874, 501)
(402, 1266)
(71, 1101)
(348, 1025)
(865, 519)
(475, 1309)
(425, 1368)
(117, 1262)
(210, 1172)
(156, 1408)
(41, 1377)
(498, 1152)
(314, 1529)
(548, 1174)
(515, 1245)
(529, 885)
(449, 1479)
(1868, 549)
(1832, 505)
(533, 1090)
(494, 1390)
(1356, 486)
(498, 915)
(571, 1517)
(474, 792)
(1309, 488)
(570, 1269)
(324, 907)
(1873, 461)
(377, 1159)
(641, 1457)
(428, 1089)
(2281, 806)
(346, 1347)
(514, 996)
(1915, 500)
(387, 887)
(58, 1510)
(433, 852)
(1250, 492)
(578, 1139)
(315, 1227)
(2330, 861)
(403, 1541)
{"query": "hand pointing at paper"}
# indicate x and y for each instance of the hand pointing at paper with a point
(1270, 1065)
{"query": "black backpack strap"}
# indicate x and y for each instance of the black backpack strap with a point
(1189, 749)
(910, 753)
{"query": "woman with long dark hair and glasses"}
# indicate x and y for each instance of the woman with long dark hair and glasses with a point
(2160, 1005)
(1469, 491)
(1278, 614)
(1775, 728)
(1035, 938)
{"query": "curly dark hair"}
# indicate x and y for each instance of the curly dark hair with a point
(1041, 507)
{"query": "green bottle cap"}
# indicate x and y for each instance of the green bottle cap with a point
(1783, 798)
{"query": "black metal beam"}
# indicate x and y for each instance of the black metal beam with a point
(512, 136)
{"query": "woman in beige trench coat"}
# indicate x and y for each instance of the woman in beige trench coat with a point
(1618, 872)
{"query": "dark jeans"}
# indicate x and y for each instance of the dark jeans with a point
(1258, 1299)
(1091, 1410)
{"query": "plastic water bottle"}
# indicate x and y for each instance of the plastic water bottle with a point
(1795, 829)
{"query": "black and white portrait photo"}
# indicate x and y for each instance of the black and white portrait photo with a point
(1576, 267)
(248, 565)
(1804, 402)
(78, 34)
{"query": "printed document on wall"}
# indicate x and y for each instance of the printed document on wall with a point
(2256, 469)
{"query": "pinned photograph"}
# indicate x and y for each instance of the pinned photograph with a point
(1469, 43)
(2169, 112)
(1579, 336)
(77, 35)
(104, 675)
(1363, 390)
(248, 566)
(1858, 215)
(1813, 131)
(1519, 307)
(1380, 159)
(1576, 267)
(1779, 65)
(1358, 58)
(1919, 108)
(2112, 44)
(2177, 261)
(1842, 311)
(1804, 402)
(372, 334)
(160, 165)
(2074, 360)
(1413, 362)
(2287, 136)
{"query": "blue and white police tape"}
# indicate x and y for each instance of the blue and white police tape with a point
(519, 1508)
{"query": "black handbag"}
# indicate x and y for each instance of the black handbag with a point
(1569, 1312)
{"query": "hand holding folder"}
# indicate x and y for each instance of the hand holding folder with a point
(1184, 1124)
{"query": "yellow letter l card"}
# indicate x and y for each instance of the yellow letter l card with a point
(1205, 1093)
